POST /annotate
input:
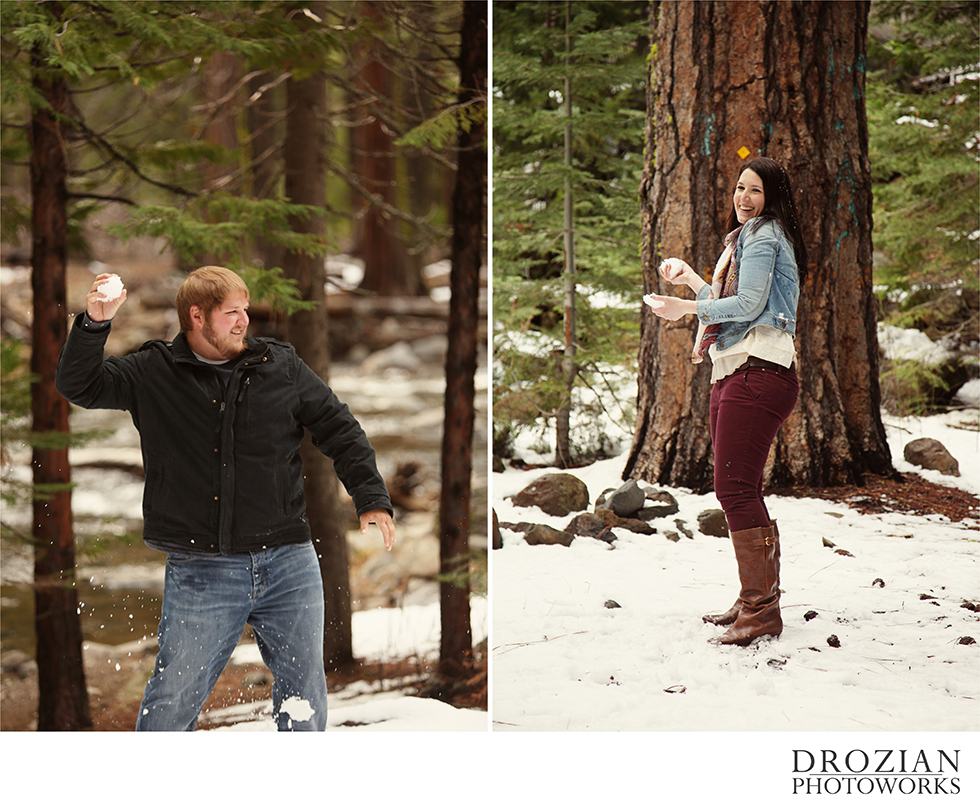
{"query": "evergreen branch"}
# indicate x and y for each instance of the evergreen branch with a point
(612, 391)
(130, 164)
(378, 201)
(383, 109)
(446, 125)
(18, 534)
(100, 197)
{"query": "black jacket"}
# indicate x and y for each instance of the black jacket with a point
(222, 463)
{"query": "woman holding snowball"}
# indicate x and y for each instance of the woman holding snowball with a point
(747, 321)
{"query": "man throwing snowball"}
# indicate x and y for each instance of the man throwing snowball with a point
(221, 416)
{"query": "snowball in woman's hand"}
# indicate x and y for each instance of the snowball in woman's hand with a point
(649, 300)
(111, 288)
(672, 268)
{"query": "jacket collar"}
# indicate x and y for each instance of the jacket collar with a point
(256, 351)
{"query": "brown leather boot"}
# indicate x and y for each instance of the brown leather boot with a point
(730, 615)
(757, 554)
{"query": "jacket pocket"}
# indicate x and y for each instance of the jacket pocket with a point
(154, 484)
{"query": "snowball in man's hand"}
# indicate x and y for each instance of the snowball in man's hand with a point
(651, 301)
(111, 288)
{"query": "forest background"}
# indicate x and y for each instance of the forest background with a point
(922, 144)
(263, 136)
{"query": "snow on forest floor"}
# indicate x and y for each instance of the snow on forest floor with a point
(562, 660)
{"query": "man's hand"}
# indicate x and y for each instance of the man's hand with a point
(98, 308)
(383, 521)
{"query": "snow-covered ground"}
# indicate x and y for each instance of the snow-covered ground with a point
(562, 660)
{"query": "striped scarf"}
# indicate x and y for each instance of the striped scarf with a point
(724, 283)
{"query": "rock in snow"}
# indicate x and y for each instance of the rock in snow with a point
(931, 455)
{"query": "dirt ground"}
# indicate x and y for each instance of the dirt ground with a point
(115, 687)
(907, 493)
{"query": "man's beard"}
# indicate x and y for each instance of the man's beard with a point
(229, 346)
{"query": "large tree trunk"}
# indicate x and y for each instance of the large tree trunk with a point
(784, 80)
(307, 331)
(63, 699)
(457, 443)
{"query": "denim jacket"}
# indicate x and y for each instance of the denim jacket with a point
(768, 286)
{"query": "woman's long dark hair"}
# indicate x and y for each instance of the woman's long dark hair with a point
(779, 207)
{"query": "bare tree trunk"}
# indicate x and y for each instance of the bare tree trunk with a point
(63, 700)
(263, 113)
(563, 454)
(387, 269)
(785, 80)
(457, 443)
(307, 331)
(219, 77)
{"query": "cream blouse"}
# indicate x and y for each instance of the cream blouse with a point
(764, 342)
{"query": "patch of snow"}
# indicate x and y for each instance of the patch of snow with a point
(969, 394)
(910, 344)
(913, 119)
(297, 708)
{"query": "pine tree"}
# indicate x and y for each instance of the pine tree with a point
(607, 61)
(469, 240)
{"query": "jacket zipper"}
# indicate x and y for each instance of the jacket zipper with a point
(223, 516)
(223, 529)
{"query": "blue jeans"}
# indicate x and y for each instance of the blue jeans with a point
(207, 602)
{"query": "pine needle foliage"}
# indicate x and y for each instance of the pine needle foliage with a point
(923, 80)
(529, 174)
(133, 132)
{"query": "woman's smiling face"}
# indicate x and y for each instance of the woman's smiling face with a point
(749, 197)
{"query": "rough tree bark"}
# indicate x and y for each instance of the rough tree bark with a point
(784, 80)
(305, 183)
(457, 443)
(63, 698)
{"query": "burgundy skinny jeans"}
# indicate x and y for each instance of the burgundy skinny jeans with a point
(747, 408)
